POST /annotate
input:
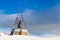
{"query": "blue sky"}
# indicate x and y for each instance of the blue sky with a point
(44, 13)
(11, 6)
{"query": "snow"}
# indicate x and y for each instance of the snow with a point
(24, 37)
(19, 37)
(3, 34)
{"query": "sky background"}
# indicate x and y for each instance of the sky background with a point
(42, 17)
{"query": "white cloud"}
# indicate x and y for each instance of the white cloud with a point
(53, 28)
(7, 20)
(2, 11)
